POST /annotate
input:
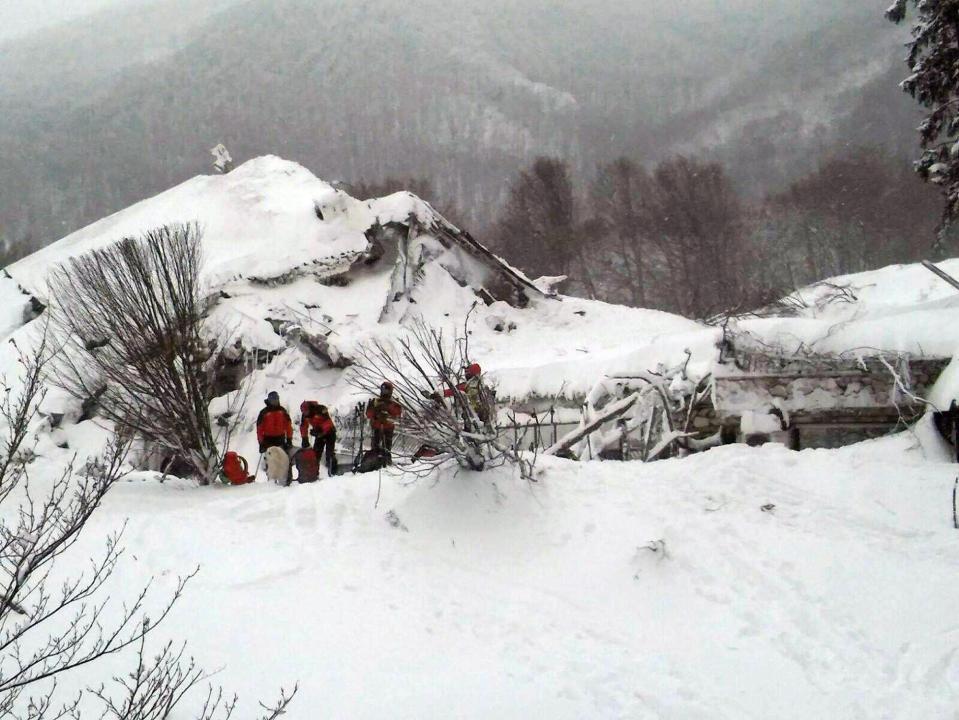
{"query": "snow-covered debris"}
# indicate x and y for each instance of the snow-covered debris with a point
(292, 262)
(258, 221)
(899, 308)
(301, 275)
(14, 305)
(222, 160)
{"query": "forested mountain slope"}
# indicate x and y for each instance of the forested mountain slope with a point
(122, 104)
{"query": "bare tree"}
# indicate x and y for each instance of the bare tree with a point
(623, 201)
(698, 229)
(538, 229)
(129, 318)
(51, 625)
(47, 629)
(440, 411)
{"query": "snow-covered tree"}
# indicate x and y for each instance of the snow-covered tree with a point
(442, 408)
(934, 82)
(222, 160)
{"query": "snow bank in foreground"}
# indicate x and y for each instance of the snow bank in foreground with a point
(605, 590)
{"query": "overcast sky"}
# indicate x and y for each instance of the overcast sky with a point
(21, 17)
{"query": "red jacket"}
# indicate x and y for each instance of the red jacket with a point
(320, 425)
(382, 413)
(460, 386)
(274, 422)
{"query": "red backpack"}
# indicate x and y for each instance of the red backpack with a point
(235, 469)
(307, 465)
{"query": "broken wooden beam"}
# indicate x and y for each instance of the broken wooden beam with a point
(613, 411)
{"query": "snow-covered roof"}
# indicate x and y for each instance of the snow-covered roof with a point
(899, 308)
(258, 221)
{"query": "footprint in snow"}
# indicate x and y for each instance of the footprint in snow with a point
(394, 520)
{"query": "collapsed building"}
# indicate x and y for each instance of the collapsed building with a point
(300, 276)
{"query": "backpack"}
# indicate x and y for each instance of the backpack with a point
(371, 460)
(425, 451)
(235, 469)
(307, 465)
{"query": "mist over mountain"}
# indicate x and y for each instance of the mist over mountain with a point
(18, 18)
(102, 111)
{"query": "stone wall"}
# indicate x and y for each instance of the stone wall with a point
(829, 402)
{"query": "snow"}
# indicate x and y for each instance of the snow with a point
(491, 597)
(13, 305)
(946, 388)
(258, 220)
(899, 308)
(739, 583)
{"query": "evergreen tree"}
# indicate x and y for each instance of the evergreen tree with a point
(934, 83)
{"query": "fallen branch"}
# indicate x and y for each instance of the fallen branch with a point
(615, 410)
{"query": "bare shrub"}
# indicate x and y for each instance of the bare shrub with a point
(427, 370)
(129, 320)
(47, 629)
(156, 687)
(51, 625)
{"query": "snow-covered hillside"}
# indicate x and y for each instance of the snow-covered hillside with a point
(607, 590)
(737, 583)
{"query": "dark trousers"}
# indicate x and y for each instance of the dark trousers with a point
(279, 441)
(383, 439)
(326, 442)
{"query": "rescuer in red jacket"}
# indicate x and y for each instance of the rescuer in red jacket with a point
(273, 425)
(472, 389)
(383, 412)
(315, 420)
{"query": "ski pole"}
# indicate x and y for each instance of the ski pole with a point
(258, 464)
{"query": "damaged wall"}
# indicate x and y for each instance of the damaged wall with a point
(829, 402)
